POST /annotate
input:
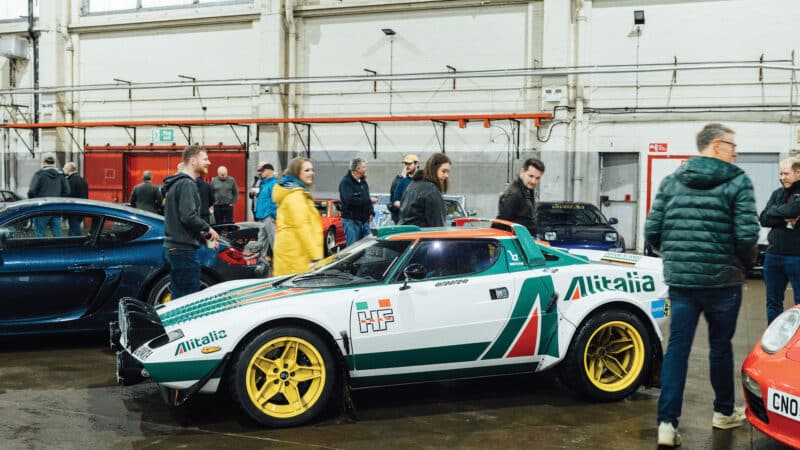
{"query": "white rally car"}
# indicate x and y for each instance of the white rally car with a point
(405, 306)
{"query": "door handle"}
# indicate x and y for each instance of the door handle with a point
(498, 293)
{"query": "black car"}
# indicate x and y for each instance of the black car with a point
(577, 225)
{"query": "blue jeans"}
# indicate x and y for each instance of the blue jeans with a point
(42, 223)
(184, 271)
(354, 230)
(778, 271)
(74, 225)
(720, 306)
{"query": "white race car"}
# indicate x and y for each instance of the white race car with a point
(405, 306)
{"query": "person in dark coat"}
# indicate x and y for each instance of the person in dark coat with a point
(78, 188)
(206, 198)
(146, 196)
(518, 202)
(705, 223)
(782, 258)
(423, 203)
(48, 182)
(356, 202)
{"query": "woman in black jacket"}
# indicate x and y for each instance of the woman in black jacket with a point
(423, 204)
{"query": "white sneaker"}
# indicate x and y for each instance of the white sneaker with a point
(735, 419)
(668, 435)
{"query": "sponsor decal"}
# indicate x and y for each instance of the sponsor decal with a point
(194, 343)
(513, 259)
(620, 258)
(374, 319)
(207, 350)
(143, 352)
(582, 286)
(450, 283)
(658, 308)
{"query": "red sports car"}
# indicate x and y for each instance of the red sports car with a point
(771, 379)
(330, 211)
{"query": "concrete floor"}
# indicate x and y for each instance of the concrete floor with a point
(57, 393)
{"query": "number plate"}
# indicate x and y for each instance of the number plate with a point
(784, 404)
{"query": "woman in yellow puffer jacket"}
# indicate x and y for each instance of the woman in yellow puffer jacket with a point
(298, 233)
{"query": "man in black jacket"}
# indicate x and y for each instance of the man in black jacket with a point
(782, 258)
(48, 182)
(517, 203)
(78, 188)
(356, 203)
(145, 195)
(184, 229)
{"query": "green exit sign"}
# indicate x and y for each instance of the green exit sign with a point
(162, 135)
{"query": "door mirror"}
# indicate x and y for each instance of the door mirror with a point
(613, 221)
(414, 271)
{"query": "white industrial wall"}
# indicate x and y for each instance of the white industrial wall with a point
(333, 38)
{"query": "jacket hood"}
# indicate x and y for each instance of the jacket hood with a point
(281, 190)
(170, 180)
(418, 175)
(50, 172)
(703, 172)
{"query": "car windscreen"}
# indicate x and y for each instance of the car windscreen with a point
(569, 214)
(367, 261)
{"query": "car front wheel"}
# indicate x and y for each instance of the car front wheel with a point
(609, 356)
(330, 242)
(283, 377)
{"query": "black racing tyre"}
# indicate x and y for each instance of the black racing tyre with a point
(160, 293)
(330, 242)
(609, 356)
(283, 377)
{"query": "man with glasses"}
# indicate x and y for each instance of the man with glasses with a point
(782, 258)
(704, 222)
(400, 184)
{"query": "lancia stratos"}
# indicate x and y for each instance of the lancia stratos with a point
(406, 305)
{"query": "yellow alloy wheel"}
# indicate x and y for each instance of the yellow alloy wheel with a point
(614, 356)
(285, 377)
(166, 298)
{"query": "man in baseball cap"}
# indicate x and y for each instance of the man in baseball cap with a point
(400, 183)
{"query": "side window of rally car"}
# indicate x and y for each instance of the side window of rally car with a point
(452, 257)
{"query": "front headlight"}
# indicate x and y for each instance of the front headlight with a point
(550, 235)
(780, 331)
(611, 237)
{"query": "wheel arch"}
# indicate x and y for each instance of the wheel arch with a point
(653, 377)
(310, 325)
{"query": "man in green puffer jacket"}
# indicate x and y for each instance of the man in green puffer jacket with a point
(705, 223)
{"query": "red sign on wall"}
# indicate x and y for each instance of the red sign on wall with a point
(660, 147)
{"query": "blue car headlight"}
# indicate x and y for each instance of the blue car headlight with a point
(780, 331)
(611, 237)
(550, 235)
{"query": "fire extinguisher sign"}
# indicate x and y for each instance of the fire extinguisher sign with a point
(658, 147)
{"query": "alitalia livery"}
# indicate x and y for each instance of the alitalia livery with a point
(405, 306)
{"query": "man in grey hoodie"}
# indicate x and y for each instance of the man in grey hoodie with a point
(183, 228)
(48, 182)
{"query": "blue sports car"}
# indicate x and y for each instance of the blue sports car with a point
(65, 263)
(574, 225)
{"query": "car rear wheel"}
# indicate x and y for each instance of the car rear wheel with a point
(609, 356)
(283, 377)
(160, 294)
(330, 241)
